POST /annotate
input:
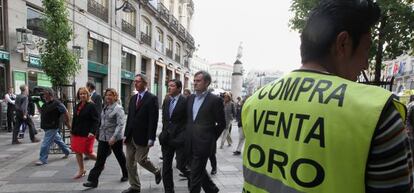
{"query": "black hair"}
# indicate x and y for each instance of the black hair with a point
(206, 76)
(91, 85)
(331, 17)
(177, 83)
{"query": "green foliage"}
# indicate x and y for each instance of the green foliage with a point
(58, 61)
(398, 28)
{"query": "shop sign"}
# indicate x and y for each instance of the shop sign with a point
(43, 80)
(19, 78)
(127, 75)
(4, 55)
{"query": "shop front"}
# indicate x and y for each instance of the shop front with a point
(4, 64)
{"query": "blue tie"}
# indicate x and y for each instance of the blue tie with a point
(171, 106)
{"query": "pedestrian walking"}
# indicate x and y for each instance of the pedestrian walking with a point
(85, 122)
(110, 138)
(229, 113)
(95, 97)
(305, 131)
(172, 139)
(23, 117)
(239, 107)
(140, 133)
(10, 98)
(50, 114)
(205, 123)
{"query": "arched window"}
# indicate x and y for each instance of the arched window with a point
(171, 7)
(178, 49)
(170, 43)
(129, 17)
(159, 43)
(146, 26)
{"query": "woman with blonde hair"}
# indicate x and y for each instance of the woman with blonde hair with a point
(110, 138)
(84, 125)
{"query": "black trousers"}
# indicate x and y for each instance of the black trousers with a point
(30, 124)
(104, 149)
(213, 161)
(199, 177)
(167, 160)
(10, 117)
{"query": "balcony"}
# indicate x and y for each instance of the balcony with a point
(129, 28)
(177, 58)
(190, 40)
(146, 39)
(164, 14)
(181, 32)
(169, 53)
(150, 6)
(98, 10)
(173, 23)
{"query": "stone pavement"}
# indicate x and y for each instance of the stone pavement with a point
(18, 172)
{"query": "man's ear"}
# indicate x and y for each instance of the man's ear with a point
(343, 44)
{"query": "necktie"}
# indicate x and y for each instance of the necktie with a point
(171, 106)
(138, 102)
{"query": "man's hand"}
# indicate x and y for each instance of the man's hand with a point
(112, 141)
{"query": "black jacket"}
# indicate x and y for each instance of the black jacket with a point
(203, 132)
(173, 127)
(142, 122)
(97, 99)
(86, 122)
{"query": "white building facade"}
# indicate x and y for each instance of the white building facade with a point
(117, 44)
(402, 69)
(221, 75)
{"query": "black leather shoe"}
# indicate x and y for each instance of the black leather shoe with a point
(131, 190)
(158, 177)
(124, 179)
(90, 184)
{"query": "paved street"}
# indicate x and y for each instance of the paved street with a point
(19, 174)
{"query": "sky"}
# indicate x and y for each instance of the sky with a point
(262, 25)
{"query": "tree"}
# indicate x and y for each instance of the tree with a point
(58, 61)
(392, 36)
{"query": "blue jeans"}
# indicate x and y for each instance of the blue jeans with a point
(52, 135)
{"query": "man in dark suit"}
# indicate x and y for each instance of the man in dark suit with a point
(205, 122)
(174, 117)
(140, 131)
(96, 98)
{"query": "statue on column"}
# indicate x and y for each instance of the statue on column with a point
(240, 51)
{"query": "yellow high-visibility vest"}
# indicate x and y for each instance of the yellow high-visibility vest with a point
(310, 132)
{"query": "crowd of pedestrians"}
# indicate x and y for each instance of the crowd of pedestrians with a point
(191, 127)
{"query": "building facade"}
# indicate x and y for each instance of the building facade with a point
(120, 39)
(221, 75)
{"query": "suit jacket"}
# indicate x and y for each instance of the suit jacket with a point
(97, 99)
(142, 121)
(203, 132)
(86, 122)
(173, 127)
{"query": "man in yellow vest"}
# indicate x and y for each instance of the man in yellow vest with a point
(315, 130)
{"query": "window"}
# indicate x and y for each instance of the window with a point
(172, 6)
(160, 35)
(34, 22)
(129, 17)
(97, 51)
(146, 26)
(128, 62)
(169, 43)
(180, 14)
(177, 49)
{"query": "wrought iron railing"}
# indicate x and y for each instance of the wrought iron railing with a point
(98, 10)
(190, 40)
(173, 23)
(129, 28)
(181, 32)
(164, 13)
(145, 38)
